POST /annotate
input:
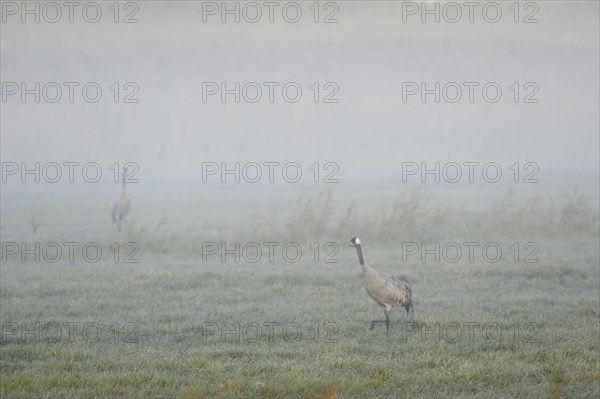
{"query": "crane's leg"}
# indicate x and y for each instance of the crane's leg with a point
(375, 322)
(386, 321)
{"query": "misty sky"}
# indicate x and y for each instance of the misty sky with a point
(368, 54)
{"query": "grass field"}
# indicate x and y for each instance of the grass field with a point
(175, 325)
(246, 143)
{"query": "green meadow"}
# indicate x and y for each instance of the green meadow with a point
(166, 318)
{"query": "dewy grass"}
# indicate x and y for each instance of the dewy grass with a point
(174, 325)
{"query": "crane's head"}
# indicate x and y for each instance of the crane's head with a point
(354, 242)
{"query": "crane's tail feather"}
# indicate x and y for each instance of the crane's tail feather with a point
(411, 308)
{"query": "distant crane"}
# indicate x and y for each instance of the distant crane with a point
(387, 290)
(121, 205)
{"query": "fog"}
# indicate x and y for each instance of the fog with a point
(371, 126)
(168, 135)
(170, 52)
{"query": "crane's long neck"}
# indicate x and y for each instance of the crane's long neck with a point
(361, 259)
(123, 181)
(368, 271)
